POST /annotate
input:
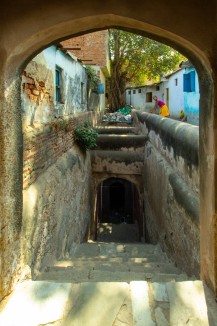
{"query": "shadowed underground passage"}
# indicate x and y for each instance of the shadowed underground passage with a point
(118, 211)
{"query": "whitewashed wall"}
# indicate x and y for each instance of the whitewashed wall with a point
(138, 100)
(176, 96)
(178, 99)
(39, 91)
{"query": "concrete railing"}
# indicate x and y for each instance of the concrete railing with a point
(171, 187)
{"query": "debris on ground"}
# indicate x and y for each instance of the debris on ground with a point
(121, 115)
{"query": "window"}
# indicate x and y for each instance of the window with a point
(101, 88)
(82, 93)
(129, 92)
(58, 84)
(149, 97)
(134, 91)
(139, 91)
(157, 88)
(189, 82)
(176, 81)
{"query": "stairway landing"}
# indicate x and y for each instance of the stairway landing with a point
(111, 284)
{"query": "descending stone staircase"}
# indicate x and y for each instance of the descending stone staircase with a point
(127, 284)
(110, 284)
(119, 152)
(119, 138)
(112, 262)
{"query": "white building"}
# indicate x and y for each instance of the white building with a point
(173, 91)
(55, 84)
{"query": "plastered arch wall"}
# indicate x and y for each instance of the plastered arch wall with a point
(135, 180)
(27, 29)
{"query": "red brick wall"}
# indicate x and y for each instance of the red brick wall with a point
(33, 91)
(44, 146)
(92, 47)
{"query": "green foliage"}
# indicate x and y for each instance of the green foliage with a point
(86, 136)
(135, 60)
(92, 78)
(141, 58)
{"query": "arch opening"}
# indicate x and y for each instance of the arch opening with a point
(118, 205)
(114, 203)
(18, 60)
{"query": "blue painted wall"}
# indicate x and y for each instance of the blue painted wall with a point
(191, 99)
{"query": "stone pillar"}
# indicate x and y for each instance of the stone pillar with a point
(10, 181)
(208, 184)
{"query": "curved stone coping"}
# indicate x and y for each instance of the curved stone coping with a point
(185, 197)
(181, 136)
(183, 194)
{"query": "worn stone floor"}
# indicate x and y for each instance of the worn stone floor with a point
(108, 232)
(107, 303)
(111, 284)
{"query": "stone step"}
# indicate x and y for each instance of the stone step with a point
(116, 262)
(113, 266)
(139, 303)
(102, 249)
(138, 260)
(171, 303)
(116, 130)
(77, 275)
(115, 142)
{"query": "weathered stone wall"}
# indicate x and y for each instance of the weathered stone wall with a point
(57, 187)
(171, 182)
(57, 210)
(56, 202)
(46, 143)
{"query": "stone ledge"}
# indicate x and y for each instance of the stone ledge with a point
(182, 137)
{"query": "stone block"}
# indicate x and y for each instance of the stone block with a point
(140, 304)
(187, 303)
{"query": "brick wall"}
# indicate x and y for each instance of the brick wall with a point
(36, 91)
(90, 48)
(45, 144)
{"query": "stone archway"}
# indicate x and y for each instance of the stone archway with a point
(34, 32)
(118, 201)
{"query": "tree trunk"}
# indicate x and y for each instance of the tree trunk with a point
(117, 89)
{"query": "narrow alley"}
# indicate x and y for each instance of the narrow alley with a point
(128, 281)
(108, 178)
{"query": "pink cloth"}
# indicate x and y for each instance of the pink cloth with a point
(160, 103)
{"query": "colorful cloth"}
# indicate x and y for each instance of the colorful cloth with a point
(125, 111)
(160, 103)
(164, 111)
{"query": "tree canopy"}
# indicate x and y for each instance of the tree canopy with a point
(135, 60)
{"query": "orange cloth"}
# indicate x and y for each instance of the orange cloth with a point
(164, 111)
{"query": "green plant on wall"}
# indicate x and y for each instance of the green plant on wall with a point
(86, 136)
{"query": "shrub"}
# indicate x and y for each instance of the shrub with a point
(86, 136)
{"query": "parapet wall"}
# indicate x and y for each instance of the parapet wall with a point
(171, 188)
